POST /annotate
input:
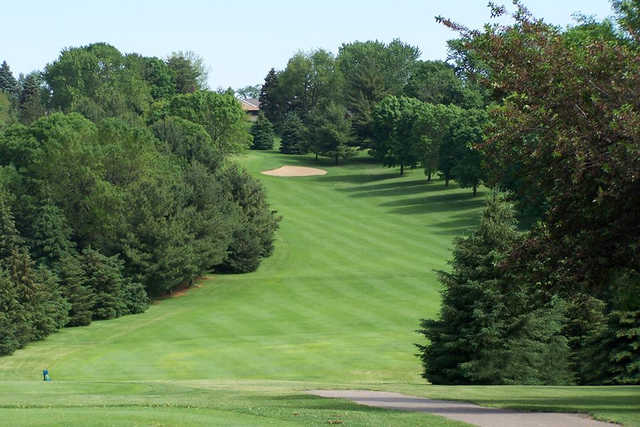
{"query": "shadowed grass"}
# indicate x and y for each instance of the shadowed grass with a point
(336, 306)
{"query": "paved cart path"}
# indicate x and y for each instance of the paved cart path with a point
(460, 411)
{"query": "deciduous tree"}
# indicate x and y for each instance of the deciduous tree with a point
(330, 133)
(398, 137)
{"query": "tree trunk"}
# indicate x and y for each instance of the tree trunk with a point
(475, 190)
(429, 175)
(401, 168)
(316, 157)
(336, 159)
(446, 180)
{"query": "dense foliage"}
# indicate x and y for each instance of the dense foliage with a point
(329, 133)
(564, 138)
(115, 185)
(379, 97)
(491, 329)
(294, 135)
(262, 132)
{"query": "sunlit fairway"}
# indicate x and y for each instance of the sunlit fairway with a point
(336, 306)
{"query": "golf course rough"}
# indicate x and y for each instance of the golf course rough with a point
(335, 307)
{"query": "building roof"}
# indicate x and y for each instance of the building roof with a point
(250, 104)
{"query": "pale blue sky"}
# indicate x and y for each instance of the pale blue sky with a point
(241, 40)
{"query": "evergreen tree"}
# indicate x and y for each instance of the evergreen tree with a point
(491, 330)
(609, 351)
(262, 132)
(53, 308)
(7, 112)
(253, 234)
(611, 356)
(10, 240)
(49, 235)
(621, 343)
(76, 290)
(104, 277)
(268, 98)
(294, 135)
(30, 104)
(12, 314)
(213, 218)
(22, 275)
(8, 82)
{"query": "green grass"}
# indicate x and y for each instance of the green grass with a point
(336, 306)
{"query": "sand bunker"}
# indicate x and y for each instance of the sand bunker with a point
(295, 171)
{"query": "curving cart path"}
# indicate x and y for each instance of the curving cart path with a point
(461, 411)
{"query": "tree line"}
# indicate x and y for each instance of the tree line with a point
(378, 97)
(116, 185)
(560, 303)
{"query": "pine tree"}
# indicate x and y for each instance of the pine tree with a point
(22, 275)
(294, 135)
(135, 297)
(50, 234)
(491, 330)
(255, 226)
(10, 239)
(610, 354)
(30, 104)
(262, 132)
(53, 308)
(11, 315)
(104, 277)
(268, 102)
(115, 293)
(621, 343)
(77, 291)
(39, 308)
(8, 83)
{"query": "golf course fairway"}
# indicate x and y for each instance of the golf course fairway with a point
(335, 306)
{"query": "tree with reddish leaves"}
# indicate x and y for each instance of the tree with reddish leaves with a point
(565, 134)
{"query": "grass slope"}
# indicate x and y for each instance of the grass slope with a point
(335, 306)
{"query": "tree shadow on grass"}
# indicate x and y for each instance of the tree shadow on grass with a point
(399, 189)
(308, 401)
(310, 160)
(386, 186)
(399, 184)
(356, 178)
(627, 405)
(301, 160)
(457, 226)
(600, 402)
(436, 203)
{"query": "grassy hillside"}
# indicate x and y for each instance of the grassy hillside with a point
(335, 306)
(352, 273)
